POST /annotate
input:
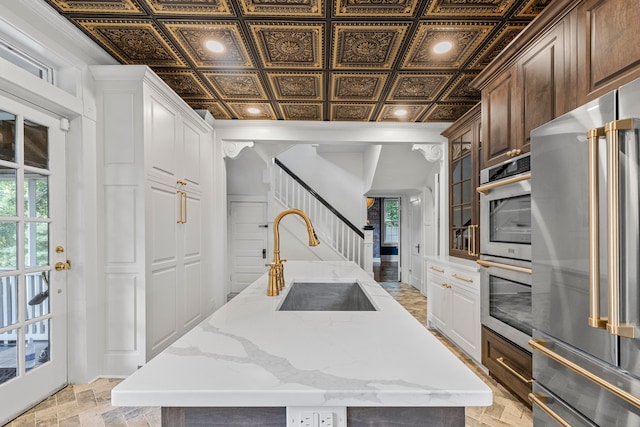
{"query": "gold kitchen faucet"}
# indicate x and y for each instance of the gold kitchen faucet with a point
(276, 269)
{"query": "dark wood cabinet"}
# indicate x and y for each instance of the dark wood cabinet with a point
(528, 94)
(465, 150)
(499, 119)
(508, 364)
(608, 49)
(540, 87)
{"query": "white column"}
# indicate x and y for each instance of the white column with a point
(367, 265)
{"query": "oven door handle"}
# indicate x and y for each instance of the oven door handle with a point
(487, 264)
(484, 189)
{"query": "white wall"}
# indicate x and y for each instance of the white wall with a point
(246, 174)
(336, 177)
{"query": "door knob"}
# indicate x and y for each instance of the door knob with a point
(63, 265)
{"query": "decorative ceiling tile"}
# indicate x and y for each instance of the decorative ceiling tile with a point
(446, 112)
(301, 111)
(470, 9)
(193, 7)
(532, 8)
(460, 91)
(191, 37)
(464, 36)
(289, 8)
(185, 83)
(133, 41)
(495, 46)
(357, 86)
(288, 45)
(291, 86)
(215, 108)
(418, 87)
(389, 113)
(367, 46)
(264, 110)
(326, 60)
(376, 8)
(351, 112)
(97, 6)
(237, 85)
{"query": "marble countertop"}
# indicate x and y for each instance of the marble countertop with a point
(249, 354)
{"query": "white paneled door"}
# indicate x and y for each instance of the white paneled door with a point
(248, 239)
(33, 258)
(416, 245)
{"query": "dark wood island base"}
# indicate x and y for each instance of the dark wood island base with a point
(277, 417)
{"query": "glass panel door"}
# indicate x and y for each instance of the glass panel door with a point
(33, 341)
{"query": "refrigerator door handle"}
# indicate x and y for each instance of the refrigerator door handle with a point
(595, 321)
(541, 346)
(540, 400)
(612, 131)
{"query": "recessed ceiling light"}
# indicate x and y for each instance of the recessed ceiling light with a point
(442, 47)
(253, 110)
(400, 112)
(214, 46)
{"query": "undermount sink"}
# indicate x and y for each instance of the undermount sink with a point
(326, 296)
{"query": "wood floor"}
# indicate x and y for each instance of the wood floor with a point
(90, 404)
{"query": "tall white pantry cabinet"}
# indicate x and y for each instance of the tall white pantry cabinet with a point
(157, 169)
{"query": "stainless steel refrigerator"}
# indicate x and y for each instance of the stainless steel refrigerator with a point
(585, 208)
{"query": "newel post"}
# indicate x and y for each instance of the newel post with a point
(368, 249)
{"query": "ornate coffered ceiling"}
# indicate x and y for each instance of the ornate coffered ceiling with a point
(342, 60)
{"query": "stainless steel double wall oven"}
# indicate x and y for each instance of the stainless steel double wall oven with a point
(505, 248)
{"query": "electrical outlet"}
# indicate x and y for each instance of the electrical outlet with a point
(326, 419)
(308, 419)
(316, 416)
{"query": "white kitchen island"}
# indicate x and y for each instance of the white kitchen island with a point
(250, 364)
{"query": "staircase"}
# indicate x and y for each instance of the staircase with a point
(332, 228)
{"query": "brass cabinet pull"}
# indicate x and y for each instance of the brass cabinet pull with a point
(613, 230)
(471, 250)
(502, 363)
(465, 279)
(439, 270)
(540, 345)
(540, 402)
(484, 263)
(181, 182)
(595, 321)
(182, 201)
(484, 189)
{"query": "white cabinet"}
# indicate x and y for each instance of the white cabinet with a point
(453, 303)
(156, 175)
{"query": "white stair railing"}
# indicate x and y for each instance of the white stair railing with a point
(331, 227)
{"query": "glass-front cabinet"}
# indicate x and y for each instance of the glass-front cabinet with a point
(465, 157)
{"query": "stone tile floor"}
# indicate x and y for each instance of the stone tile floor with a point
(90, 404)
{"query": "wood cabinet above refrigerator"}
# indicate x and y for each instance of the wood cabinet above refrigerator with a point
(573, 52)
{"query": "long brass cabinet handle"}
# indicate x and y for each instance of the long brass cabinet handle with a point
(484, 263)
(484, 189)
(464, 279)
(439, 270)
(540, 401)
(595, 321)
(184, 200)
(471, 250)
(180, 195)
(517, 374)
(540, 346)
